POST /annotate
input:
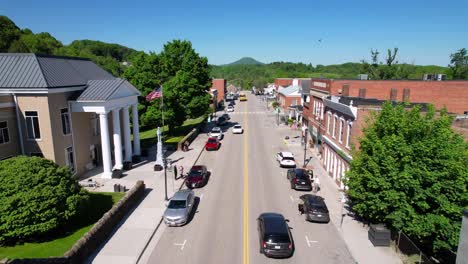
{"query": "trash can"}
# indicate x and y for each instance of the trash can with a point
(379, 235)
(158, 167)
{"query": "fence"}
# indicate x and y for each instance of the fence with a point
(414, 255)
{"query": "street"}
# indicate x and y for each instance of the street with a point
(246, 181)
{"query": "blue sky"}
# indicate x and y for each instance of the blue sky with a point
(426, 32)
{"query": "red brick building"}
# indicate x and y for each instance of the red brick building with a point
(336, 124)
(220, 86)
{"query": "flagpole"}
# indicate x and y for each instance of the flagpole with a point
(163, 154)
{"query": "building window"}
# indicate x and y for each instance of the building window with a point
(65, 121)
(95, 125)
(69, 159)
(4, 133)
(335, 121)
(348, 133)
(406, 95)
(328, 123)
(393, 94)
(341, 130)
(32, 125)
(294, 102)
(345, 91)
(362, 92)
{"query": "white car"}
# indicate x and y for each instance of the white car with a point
(237, 129)
(230, 108)
(216, 132)
(286, 159)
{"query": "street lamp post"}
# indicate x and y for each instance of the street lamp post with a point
(305, 145)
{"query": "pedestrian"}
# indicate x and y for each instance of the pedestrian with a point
(316, 184)
(181, 169)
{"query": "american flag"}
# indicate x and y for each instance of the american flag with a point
(156, 93)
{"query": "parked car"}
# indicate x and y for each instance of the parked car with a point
(237, 129)
(299, 179)
(226, 116)
(212, 144)
(197, 176)
(216, 132)
(286, 159)
(314, 208)
(179, 208)
(222, 121)
(274, 235)
(230, 108)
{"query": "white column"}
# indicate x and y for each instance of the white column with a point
(136, 130)
(105, 144)
(117, 139)
(127, 139)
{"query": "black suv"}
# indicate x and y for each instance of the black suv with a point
(314, 208)
(221, 121)
(299, 179)
(274, 235)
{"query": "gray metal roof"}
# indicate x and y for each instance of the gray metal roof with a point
(290, 90)
(333, 103)
(18, 70)
(100, 90)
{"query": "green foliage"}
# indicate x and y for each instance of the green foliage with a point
(246, 61)
(38, 198)
(391, 70)
(459, 64)
(40, 43)
(184, 75)
(9, 33)
(410, 173)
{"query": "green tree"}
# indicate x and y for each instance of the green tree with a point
(41, 43)
(391, 70)
(459, 64)
(38, 198)
(9, 33)
(410, 172)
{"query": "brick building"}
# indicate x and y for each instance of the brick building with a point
(220, 86)
(335, 124)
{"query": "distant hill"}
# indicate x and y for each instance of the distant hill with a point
(245, 61)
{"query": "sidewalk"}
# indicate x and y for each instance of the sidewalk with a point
(129, 240)
(353, 232)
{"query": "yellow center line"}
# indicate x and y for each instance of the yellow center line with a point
(246, 192)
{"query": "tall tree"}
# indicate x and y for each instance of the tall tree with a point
(391, 70)
(41, 43)
(9, 33)
(459, 64)
(410, 172)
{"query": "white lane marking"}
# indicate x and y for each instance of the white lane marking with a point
(201, 196)
(310, 241)
(181, 245)
(292, 199)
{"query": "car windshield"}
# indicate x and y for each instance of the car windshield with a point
(288, 158)
(237, 126)
(278, 238)
(211, 140)
(300, 174)
(176, 204)
(195, 173)
(216, 130)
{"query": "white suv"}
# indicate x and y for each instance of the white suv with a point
(286, 159)
(237, 129)
(216, 132)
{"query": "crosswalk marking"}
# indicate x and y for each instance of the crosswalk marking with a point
(240, 113)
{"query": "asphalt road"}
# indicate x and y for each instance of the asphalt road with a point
(246, 181)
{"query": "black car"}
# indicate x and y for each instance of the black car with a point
(221, 121)
(274, 235)
(226, 116)
(314, 208)
(299, 179)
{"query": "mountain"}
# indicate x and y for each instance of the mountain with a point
(245, 61)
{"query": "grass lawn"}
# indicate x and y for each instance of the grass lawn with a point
(148, 137)
(100, 203)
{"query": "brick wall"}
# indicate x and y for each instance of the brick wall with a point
(287, 101)
(452, 94)
(220, 86)
(283, 82)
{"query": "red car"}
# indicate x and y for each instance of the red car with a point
(212, 144)
(197, 177)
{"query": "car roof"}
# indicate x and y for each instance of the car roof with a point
(287, 154)
(300, 172)
(274, 223)
(181, 195)
(313, 199)
(216, 128)
(237, 125)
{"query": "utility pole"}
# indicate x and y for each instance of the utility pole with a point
(165, 179)
(305, 145)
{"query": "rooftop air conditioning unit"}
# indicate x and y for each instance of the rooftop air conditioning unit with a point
(434, 77)
(363, 77)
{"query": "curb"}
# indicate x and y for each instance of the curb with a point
(161, 220)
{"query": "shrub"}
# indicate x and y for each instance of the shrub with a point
(37, 198)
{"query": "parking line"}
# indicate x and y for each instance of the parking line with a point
(201, 196)
(181, 245)
(310, 241)
(246, 255)
(292, 199)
